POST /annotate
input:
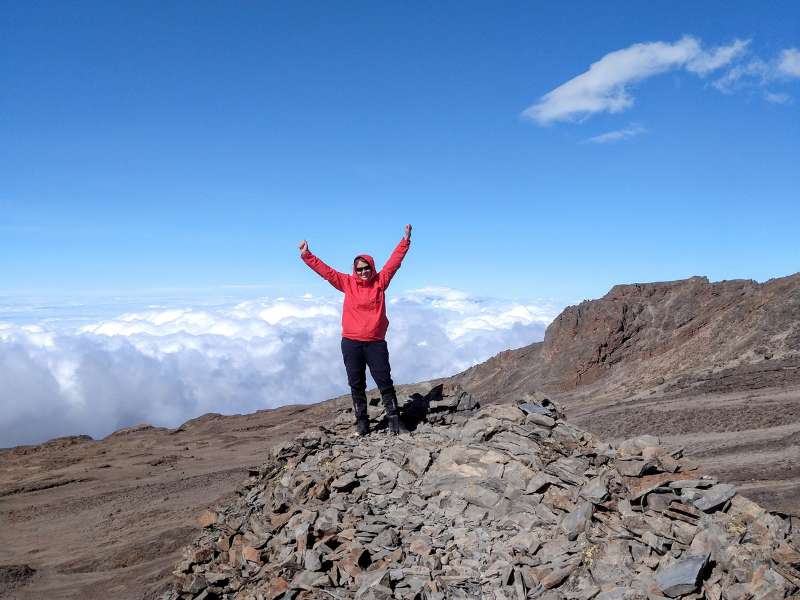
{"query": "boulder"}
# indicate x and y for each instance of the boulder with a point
(682, 577)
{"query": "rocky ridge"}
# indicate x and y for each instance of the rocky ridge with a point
(713, 367)
(662, 335)
(501, 501)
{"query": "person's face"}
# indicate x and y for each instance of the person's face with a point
(363, 270)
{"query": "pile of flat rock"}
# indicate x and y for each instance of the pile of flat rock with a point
(495, 502)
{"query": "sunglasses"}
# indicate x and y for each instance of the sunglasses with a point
(362, 269)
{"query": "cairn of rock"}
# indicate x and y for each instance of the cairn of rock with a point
(499, 502)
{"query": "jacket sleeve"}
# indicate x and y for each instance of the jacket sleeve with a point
(332, 276)
(394, 262)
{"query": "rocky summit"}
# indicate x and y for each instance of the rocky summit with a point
(496, 502)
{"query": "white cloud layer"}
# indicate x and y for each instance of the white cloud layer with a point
(605, 86)
(164, 366)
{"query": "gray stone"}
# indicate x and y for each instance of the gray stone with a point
(311, 561)
(372, 581)
(344, 482)
(582, 589)
(576, 522)
(384, 471)
(617, 593)
(539, 481)
(540, 419)
(569, 470)
(530, 408)
(683, 532)
(692, 483)
(466, 402)
(194, 584)
(632, 467)
(656, 542)
(327, 521)
(658, 502)
(557, 575)
(420, 544)
(418, 461)
(482, 494)
(308, 579)
(387, 538)
(716, 496)
(683, 577)
(689, 495)
(525, 541)
(595, 490)
(712, 541)
(476, 514)
(447, 402)
(545, 514)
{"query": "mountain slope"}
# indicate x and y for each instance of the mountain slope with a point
(714, 367)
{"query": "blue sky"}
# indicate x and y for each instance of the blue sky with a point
(193, 144)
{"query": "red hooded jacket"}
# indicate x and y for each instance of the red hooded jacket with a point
(364, 309)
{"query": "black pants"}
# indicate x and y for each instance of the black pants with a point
(375, 355)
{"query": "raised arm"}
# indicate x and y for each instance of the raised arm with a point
(396, 259)
(332, 276)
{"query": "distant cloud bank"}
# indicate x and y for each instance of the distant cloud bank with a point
(167, 365)
(606, 86)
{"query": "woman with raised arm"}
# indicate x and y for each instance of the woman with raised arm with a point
(364, 326)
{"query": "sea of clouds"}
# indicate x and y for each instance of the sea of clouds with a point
(67, 374)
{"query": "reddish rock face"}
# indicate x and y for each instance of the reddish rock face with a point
(672, 327)
(646, 335)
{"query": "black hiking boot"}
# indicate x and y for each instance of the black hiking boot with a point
(392, 414)
(360, 410)
(394, 424)
(362, 426)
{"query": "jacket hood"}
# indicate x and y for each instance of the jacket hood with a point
(371, 262)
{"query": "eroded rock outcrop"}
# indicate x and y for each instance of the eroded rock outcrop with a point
(643, 335)
(503, 501)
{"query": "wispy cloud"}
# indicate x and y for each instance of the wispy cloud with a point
(777, 98)
(604, 87)
(755, 71)
(166, 365)
(760, 73)
(705, 62)
(617, 135)
(789, 63)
